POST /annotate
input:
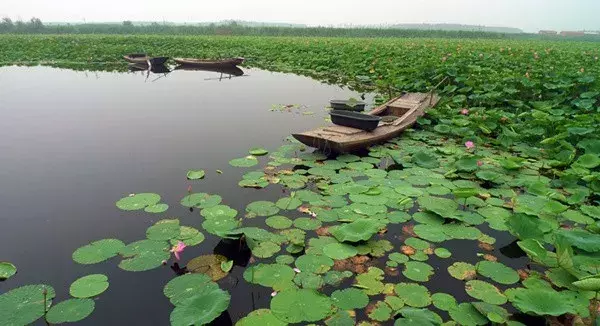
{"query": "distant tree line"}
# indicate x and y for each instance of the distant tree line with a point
(35, 26)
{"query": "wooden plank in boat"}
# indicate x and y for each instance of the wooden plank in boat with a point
(404, 104)
(415, 97)
(343, 130)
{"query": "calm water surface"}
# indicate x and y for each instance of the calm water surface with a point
(72, 143)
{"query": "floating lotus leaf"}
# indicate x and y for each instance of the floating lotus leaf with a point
(369, 199)
(398, 257)
(218, 212)
(70, 311)
(375, 248)
(301, 305)
(442, 252)
(89, 286)
(284, 259)
(158, 208)
(360, 166)
(493, 312)
(359, 230)
(306, 223)
(202, 308)
(339, 251)
(309, 280)
(414, 316)
(258, 151)
(220, 226)
(279, 222)
(588, 161)
(255, 233)
(497, 272)
(593, 211)
(277, 276)
(417, 271)
(244, 162)
(581, 239)
(24, 305)
(588, 284)
(321, 172)
(468, 164)
(349, 299)
(288, 203)
(425, 159)
(434, 233)
(428, 218)
(138, 201)
(541, 301)
(577, 217)
(144, 261)
(370, 282)
(314, 264)
(143, 246)
(485, 291)
(438, 190)
(417, 243)
(209, 265)
(195, 174)
(188, 235)
(260, 317)
(413, 294)
(347, 158)
(184, 287)
(462, 271)
(466, 314)
(334, 278)
(227, 266)
(7, 270)
(368, 210)
(444, 301)
(201, 200)
(295, 236)
(468, 217)
(442, 206)
(98, 251)
(164, 230)
(341, 318)
(380, 311)
(262, 208)
(265, 249)
(398, 217)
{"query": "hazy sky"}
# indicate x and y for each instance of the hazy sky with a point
(530, 15)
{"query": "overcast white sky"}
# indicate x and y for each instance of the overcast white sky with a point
(530, 15)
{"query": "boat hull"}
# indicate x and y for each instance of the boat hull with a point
(209, 63)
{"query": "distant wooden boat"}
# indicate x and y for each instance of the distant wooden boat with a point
(229, 70)
(209, 63)
(144, 58)
(157, 69)
(397, 115)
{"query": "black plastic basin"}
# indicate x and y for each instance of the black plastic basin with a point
(347, 105)
(354, 120)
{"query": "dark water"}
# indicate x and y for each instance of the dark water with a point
(72, 143)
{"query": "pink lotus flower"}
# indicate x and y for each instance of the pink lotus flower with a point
(469, 144)
(297, 270)
(464, 112)
(274, 293)
(178, 249)
(479, 163)
(189, 189)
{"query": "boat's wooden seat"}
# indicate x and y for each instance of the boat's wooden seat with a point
(343, 130)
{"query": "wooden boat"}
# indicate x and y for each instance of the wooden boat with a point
(157, 69)
(228, 70)
(144, 58)
(397, 115)
(209, 63)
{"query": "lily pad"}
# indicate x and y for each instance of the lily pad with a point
(276, 276)
(417, 271)
(339, 251)
(444, 301)
(541, 301)
(288, 203)
(341, 318)
(413, 294)
(306, 223)
(380, 312)
(442, 252)
(184, 287)
(442, 206)
(24, 305)
(7, 270)
(279, 222)
(201, 200)
(358, 230)
(497, 272)
(466, 314)
(265, 249)
(89, 286)
(70, 311)
(349, 299)
(314, 264)
(462, 271)
(202, 308)
(262, 208)
(138, 201)
(260, 317)
(156, 209)
(195, 174)
(258, 151)
(209, 265)
(218, 212)
(244, 162)
(370, 282)
(301, 305)
(493, 312)
(485, 291)
(164, 230)
(98, 251)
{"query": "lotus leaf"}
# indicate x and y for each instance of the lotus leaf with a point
(158, 208)
(370, 282)
(442, 252)
(309, 281)
(485, 291)
(137, 201)
(541, 301)
(195, 174)
(302, 305)
(277, 276)
(260, 317)
(209, 265)
(164, 230)
(417, 271)
(279, 222)
(306, 223)
(202, 308)
(444, 301)
(98, 251)
(185, 287)
(497, 272)
(314, 264)
(244, 162)
(89, 286)
(201, 200)
(380, 311)
(339, 251)
(7, 270)
(348, 299)
(462, 271)
(341, 318)
(441, 206)
(70, 311)
(218, 212)
(466, 314)
(258, 151)
(413, 294)
(24, 305)
(359, 230)
(262, 208)
(288, 203)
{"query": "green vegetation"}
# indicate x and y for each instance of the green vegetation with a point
(511, 149)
